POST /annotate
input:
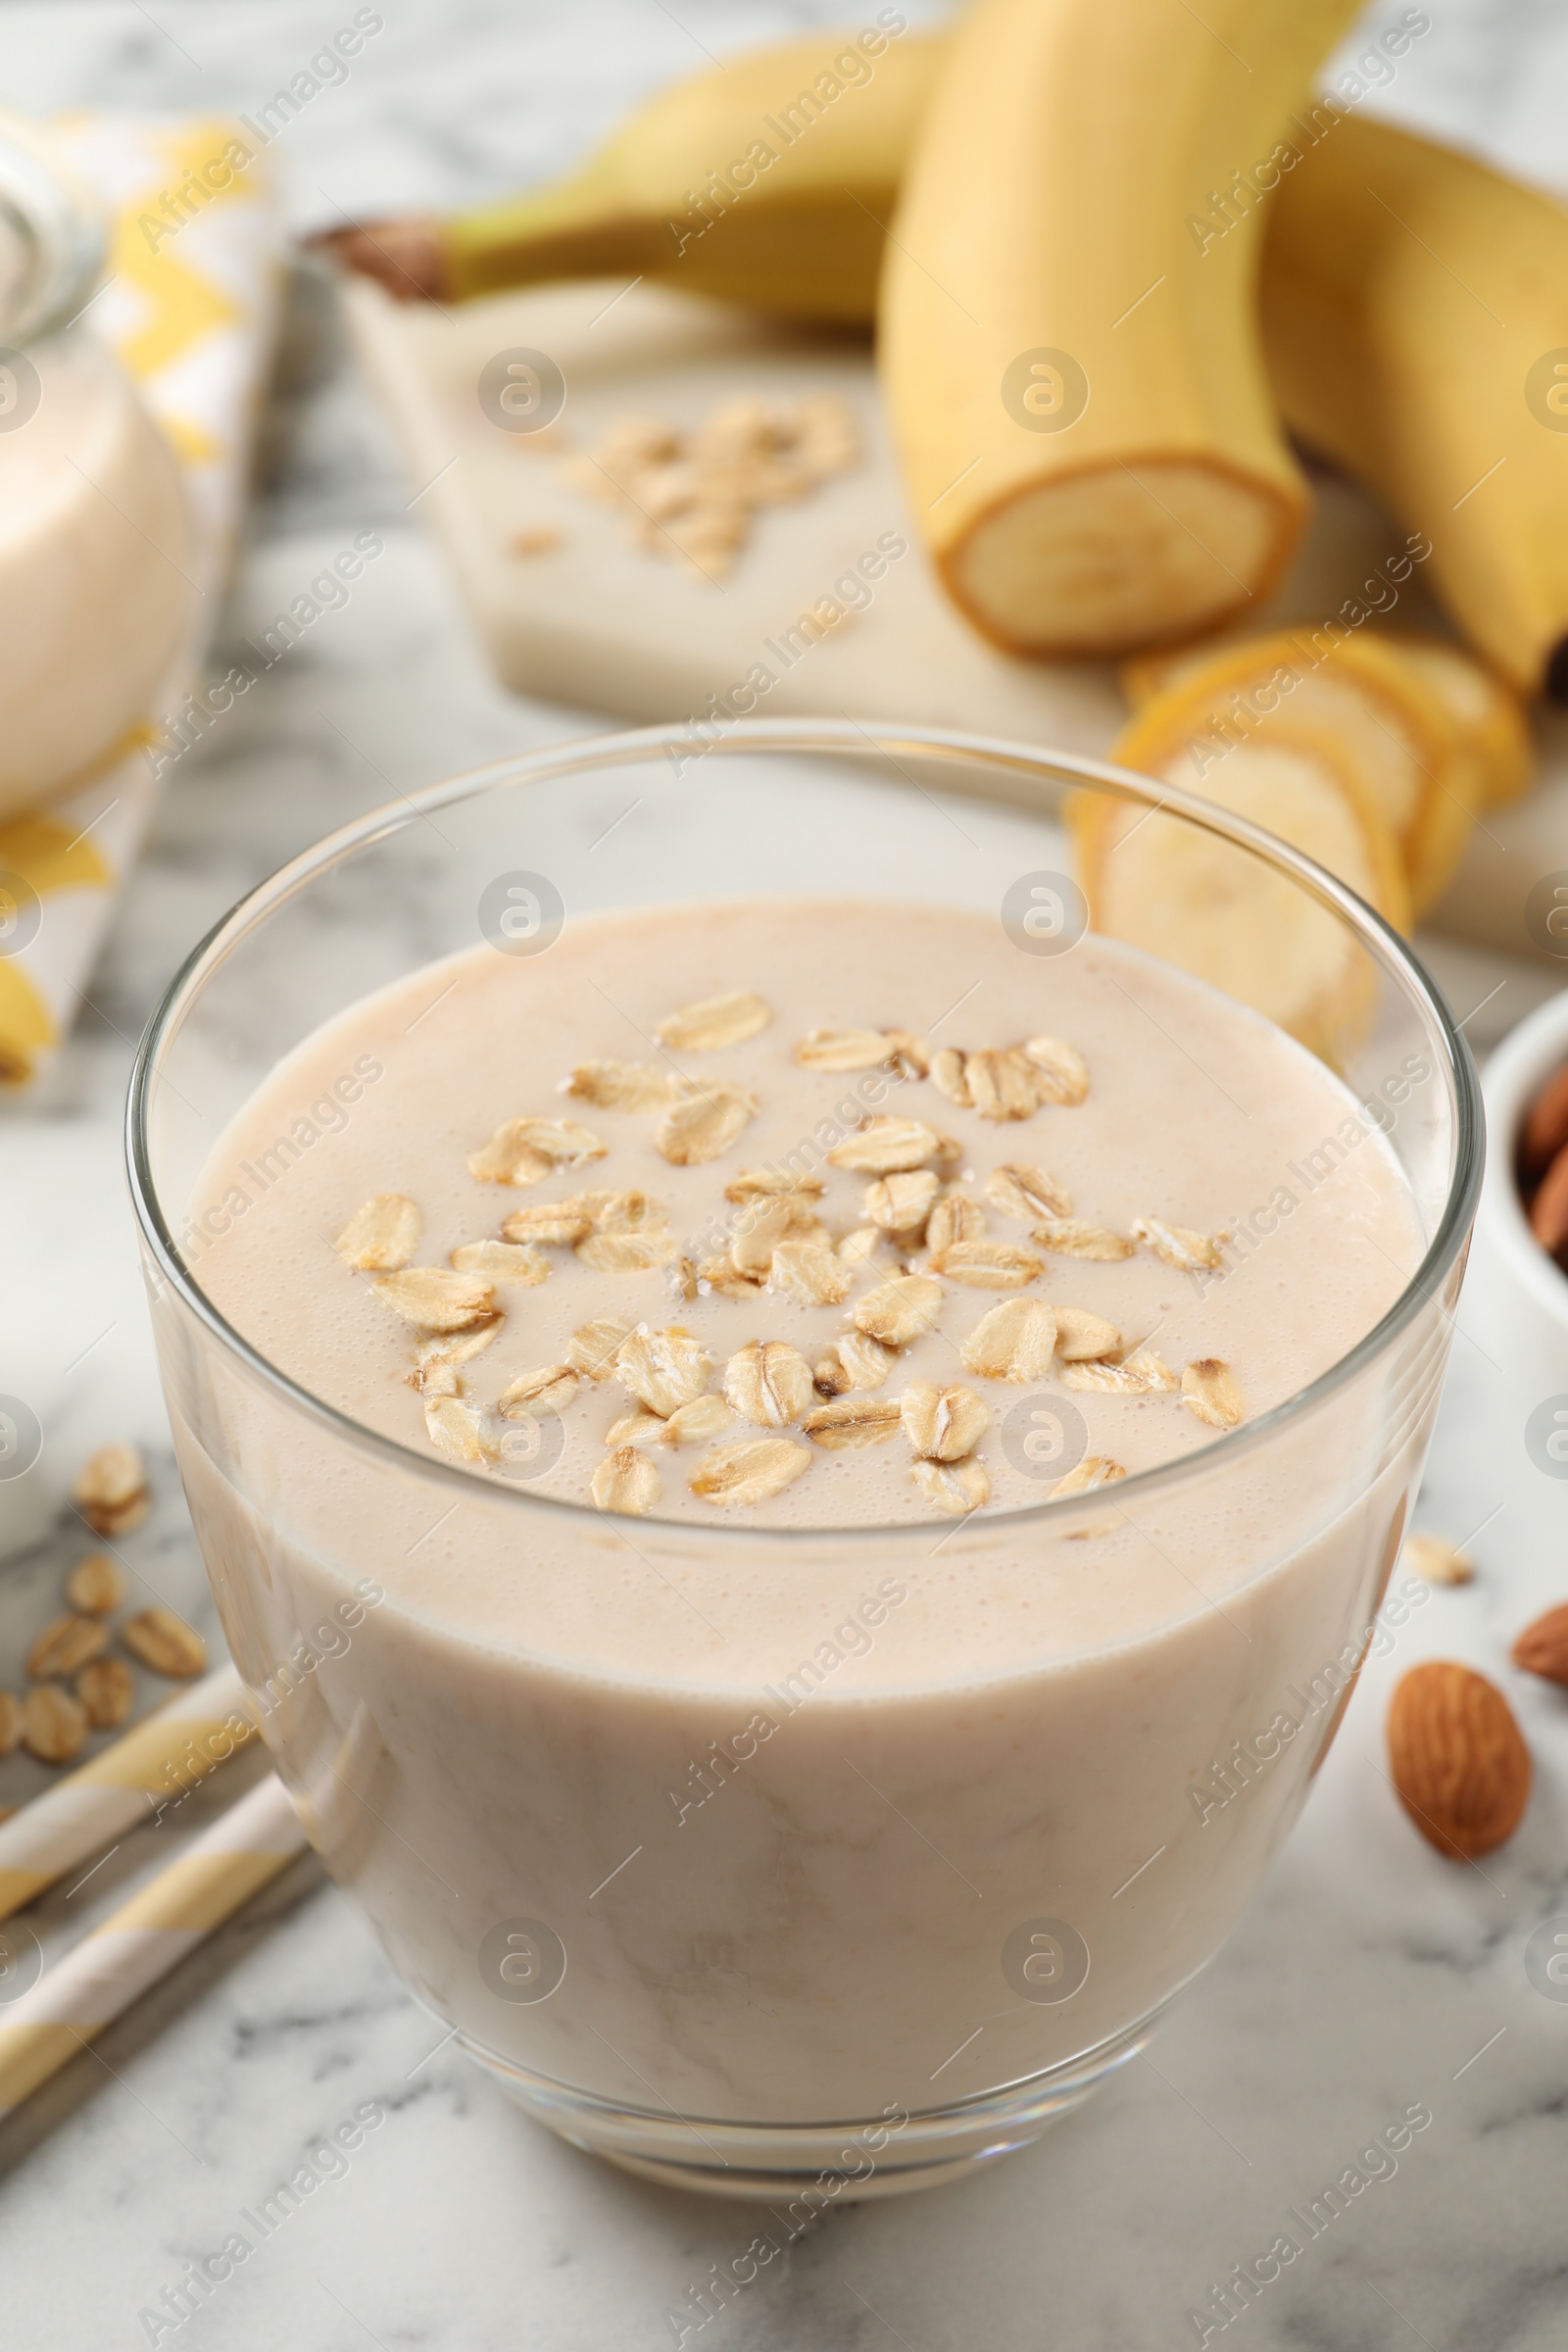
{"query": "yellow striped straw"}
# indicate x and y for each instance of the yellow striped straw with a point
(108, 1970)
(166, 1754)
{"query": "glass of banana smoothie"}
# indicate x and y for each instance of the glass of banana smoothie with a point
(799, 1443)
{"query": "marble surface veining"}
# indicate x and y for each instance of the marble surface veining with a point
(1370, 1975)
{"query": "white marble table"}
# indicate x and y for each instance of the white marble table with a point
(1369, 1977)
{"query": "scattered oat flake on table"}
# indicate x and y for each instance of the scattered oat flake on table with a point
(65, 1644)
(165, 1643)
(539, 539)
(105, 1691)
(111, 1490)
(54, 1725)
(1440, 1563)
(694, 493)
(96, 1585)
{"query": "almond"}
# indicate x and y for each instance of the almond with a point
(1460, 1762)
(1542, 1647)
(9, 1722)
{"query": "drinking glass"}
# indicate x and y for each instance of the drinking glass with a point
(873, 1915)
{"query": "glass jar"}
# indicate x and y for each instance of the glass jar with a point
(899, 1917)
(96, 585)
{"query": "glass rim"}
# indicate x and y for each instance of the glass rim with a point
(861, 742)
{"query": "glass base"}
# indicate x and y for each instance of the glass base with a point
(808, 2166)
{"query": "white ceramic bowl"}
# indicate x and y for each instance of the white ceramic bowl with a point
(1515, 1297)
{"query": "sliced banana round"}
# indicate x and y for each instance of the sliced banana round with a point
(1216, 910)
(1392, 721)
(1493, 730)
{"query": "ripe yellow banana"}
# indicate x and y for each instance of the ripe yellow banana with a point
(1389, 266)
(1415, 312)
(1076, 384)
(769, 180)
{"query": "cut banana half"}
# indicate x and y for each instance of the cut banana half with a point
(1074, 378)
(1165, 885)
(1494, 732)
(1394, 725)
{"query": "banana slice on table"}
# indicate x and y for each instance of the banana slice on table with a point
(1493, 730)
(1214, 909)
(1396, 728)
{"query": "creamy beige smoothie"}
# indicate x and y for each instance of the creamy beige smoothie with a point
(95, 561)
(741, 1272)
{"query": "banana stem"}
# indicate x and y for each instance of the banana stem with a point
(556, 232)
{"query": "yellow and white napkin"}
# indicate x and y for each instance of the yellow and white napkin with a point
(189, 310)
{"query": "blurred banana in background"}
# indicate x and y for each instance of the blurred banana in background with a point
(1415, 312)
(1389, 268)
(1075, 383)
(768, 180)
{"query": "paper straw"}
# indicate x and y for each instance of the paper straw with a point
(108, 1970)
(166, 1754)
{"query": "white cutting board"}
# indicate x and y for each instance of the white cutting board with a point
(601, 622)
